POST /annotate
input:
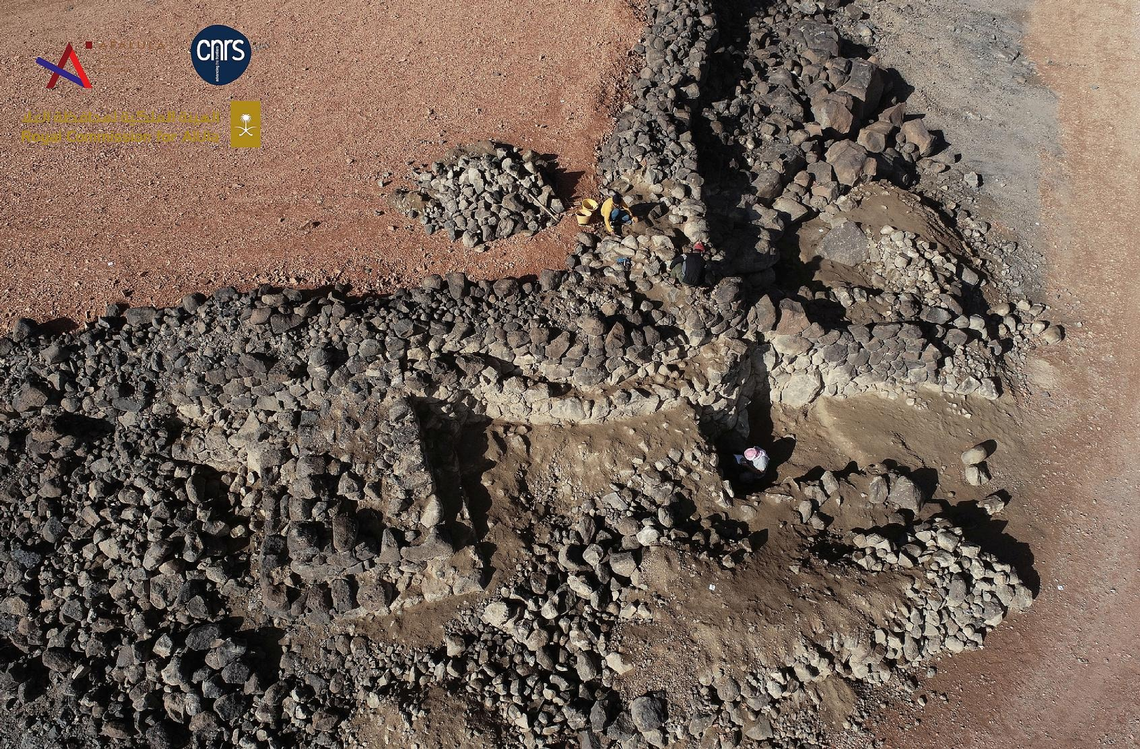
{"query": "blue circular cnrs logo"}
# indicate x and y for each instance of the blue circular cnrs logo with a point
(220, 54)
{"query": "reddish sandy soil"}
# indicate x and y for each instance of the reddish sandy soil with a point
(1065, 674)
(349, 94)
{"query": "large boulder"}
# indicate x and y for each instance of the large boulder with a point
(845, 243)
(801, 389)
(905, 495)
(850, 162)
(648, 713)
(915, 132)
(834, 112)
(864, 83)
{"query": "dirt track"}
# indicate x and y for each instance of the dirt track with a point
(1065, 674)
(347, 98)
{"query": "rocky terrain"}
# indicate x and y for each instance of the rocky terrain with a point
(498, 513)
(483, 192)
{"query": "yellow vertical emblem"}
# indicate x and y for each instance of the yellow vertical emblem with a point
(245, 124)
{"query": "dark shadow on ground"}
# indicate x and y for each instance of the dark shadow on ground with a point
(988, 532)
(471, 449)
(564, 182)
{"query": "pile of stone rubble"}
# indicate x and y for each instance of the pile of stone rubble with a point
(483, 192)
(192, 490)
(211, 507)
(749, 118)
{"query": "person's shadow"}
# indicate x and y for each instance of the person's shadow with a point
(648, 211)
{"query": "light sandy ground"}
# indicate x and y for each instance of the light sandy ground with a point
(349, 93)
(1065, 674)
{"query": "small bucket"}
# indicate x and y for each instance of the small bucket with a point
(587, 212)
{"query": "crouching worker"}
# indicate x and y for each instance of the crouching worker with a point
(617, 214)
(689, 267)
(753, 464)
